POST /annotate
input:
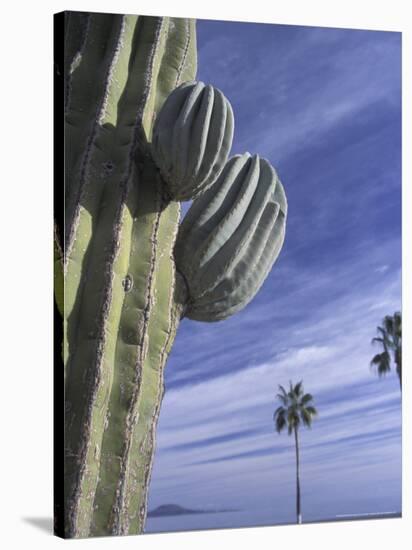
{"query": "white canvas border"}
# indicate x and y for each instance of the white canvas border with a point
(26, 278)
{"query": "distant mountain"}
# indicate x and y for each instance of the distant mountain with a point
(176, 510)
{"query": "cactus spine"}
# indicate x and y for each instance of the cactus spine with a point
(117, 287)
(120, 308)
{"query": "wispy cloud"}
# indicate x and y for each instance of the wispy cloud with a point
(336, 74)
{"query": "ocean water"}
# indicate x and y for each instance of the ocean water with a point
(218, 520)
(238, 519)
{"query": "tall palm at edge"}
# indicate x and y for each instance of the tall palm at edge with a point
(390, 337)
(296, 409)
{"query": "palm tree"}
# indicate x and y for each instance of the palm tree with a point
(296, 409)
(390, 338)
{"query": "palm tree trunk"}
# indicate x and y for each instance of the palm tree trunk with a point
(298, 511)
(398, 361)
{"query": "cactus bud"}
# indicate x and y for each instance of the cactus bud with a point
(192, 137)
(230, 238)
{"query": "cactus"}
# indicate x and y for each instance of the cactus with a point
(230, 238)
(120, 308)
(192, 138)
(116, 283)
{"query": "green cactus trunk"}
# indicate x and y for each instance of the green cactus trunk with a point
(121, 302)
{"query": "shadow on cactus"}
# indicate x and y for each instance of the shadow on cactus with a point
(142, 134)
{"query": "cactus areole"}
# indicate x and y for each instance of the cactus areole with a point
(141, 134)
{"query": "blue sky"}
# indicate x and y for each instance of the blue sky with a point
(323, 105)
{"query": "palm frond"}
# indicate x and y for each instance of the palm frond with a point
(283, 391)
(397, 320)
(388, 325)
(311, 410)
(397, 329)
(384, 338)
(283, 399)
(382, 362)
(280, 422)
(390, 338)
(298, 388)
(306, 417)
(307, 398)
(279, 410)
